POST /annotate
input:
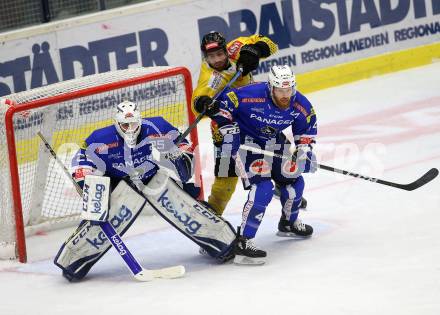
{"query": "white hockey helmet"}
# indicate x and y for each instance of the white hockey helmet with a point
(282, 77)
(128, 122)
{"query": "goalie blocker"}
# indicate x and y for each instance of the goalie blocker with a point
(192, 218)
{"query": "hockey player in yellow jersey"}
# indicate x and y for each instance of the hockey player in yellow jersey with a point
(220, 63)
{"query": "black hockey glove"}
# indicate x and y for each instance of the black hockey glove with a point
(249, 58)
(205, 104)
(263, 48)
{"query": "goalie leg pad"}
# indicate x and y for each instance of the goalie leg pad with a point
(88, 243)
(191, 217)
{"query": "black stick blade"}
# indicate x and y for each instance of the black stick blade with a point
(426, 178)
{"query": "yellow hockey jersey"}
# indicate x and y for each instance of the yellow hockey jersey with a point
(211, 81)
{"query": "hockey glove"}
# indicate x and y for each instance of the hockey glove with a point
(249, 58)
(205, 104)
(80, 175)
(182, 161)
(231, 139)
(305, 159)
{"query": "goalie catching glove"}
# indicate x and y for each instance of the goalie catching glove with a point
(182, 158)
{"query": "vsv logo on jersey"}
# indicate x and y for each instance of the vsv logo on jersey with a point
(268, 131)
(271, 121)
(191, 226)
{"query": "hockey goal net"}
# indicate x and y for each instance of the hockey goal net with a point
(34, 192)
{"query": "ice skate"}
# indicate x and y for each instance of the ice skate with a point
(297, 229)
(246, 253)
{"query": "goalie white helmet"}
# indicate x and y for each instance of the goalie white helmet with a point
(128, 122)
(281, 77)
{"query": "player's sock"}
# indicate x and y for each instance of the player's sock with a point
(277, 194)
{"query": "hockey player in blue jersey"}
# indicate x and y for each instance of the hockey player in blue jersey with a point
(124, 149)
(254, 116)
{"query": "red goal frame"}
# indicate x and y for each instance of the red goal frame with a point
(17, 108)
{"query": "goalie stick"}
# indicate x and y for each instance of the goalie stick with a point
(423, 180)
(139, 273)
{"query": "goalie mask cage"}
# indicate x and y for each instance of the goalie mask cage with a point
(34, 192)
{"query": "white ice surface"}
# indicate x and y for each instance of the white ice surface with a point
(375, 250)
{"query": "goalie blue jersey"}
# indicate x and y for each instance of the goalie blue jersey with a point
(105, 153)
(261, 121)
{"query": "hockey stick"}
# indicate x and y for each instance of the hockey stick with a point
(200, 116)
(241, 171)
(139, 273)
(423, 180)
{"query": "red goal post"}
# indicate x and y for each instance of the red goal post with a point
(34, 193)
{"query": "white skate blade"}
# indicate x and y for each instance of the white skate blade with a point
(292, 235)
(244, 260)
